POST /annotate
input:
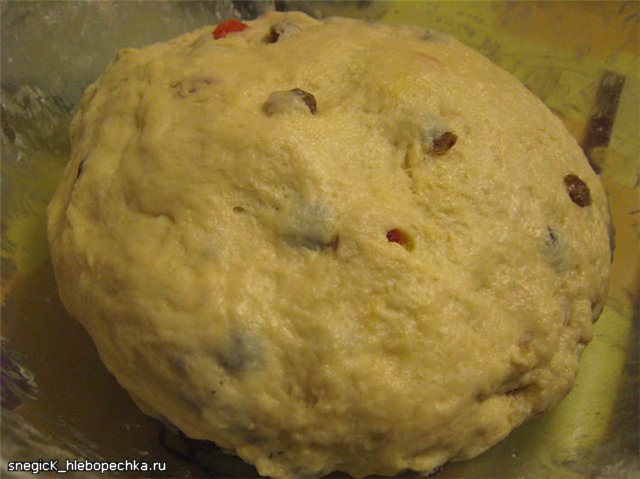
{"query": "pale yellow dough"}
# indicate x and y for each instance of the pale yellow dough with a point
(227, 249)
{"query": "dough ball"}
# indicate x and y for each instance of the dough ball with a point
(329, 245)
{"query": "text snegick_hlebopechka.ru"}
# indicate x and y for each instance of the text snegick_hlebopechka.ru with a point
(84, 465)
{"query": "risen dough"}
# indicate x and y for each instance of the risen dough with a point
(325, 279)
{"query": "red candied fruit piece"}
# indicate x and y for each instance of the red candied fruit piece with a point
(397, 236)
(401, 237)
(228, 26)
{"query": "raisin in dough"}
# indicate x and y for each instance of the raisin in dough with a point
(329, 245)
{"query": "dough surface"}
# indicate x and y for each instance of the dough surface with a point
(329, 245)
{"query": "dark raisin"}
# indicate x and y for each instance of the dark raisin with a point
(444, 142)
(402, 238)
(233, 362)
(578, 190)
(238, 353)
(308, 98)
(273, 35)
(280, 31)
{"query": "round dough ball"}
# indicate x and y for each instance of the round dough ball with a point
(329, 245)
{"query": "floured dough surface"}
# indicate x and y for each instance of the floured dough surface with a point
(329, 245)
